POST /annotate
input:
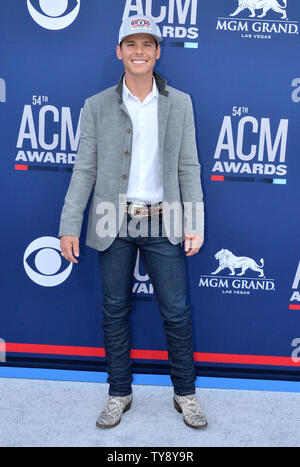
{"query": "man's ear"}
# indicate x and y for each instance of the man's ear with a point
(119, 52)
(158, 50)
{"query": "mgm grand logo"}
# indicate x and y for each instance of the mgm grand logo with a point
(237, 283)
(273, 12)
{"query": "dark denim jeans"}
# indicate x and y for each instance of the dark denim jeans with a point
(164, 264)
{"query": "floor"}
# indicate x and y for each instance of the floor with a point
(44, 413)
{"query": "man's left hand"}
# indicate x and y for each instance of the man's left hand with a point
(192, 243)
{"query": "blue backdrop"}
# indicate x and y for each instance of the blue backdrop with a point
(241, 69)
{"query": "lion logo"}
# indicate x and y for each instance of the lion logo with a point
(265, 5)
(229, 260)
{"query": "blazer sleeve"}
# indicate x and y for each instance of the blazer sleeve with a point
(83, 177)
(189, 171)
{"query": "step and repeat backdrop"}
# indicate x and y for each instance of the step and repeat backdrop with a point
(238, 59)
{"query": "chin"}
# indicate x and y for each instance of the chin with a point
(141, 72)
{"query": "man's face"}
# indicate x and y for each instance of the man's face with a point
(139, 54)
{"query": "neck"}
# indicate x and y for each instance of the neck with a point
(139, 86)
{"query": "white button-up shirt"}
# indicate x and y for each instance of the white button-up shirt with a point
(146, 173)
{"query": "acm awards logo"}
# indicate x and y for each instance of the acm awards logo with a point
(179, 17)
(53, 14)
(235, 282)
(142, 286)
(274, 14)
(251, 149)
(48, 136)
(295, 298)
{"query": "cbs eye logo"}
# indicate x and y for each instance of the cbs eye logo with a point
(47, 262)
(54, 14)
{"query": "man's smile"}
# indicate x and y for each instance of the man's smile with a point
(139, 61)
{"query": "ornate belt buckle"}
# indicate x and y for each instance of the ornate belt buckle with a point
(135, 210)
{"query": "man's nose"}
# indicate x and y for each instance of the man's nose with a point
(139, 49)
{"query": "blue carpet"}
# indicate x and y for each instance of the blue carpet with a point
(153, 380)
(41, 413)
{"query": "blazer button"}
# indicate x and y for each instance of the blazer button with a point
(128, 130)
(124, 176)
(126, 153)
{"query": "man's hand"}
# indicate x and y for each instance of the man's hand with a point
(192, 243)
(69, 244)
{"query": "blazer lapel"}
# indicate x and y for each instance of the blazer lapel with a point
(163, 114)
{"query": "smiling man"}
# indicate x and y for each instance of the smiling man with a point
(139, 54)
(138, 143)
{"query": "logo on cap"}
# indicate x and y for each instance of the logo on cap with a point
(140, 23)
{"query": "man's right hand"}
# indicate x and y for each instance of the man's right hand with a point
(69, 245)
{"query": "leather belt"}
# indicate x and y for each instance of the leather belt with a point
(143, 210)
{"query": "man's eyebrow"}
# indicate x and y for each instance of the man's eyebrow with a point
(132, 41)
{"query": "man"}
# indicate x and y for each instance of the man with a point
(138, 155)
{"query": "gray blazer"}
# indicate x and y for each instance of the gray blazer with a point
(103, 162)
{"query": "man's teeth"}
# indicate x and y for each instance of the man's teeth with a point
(139, 61)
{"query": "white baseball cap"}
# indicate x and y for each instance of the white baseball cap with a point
(139, 24)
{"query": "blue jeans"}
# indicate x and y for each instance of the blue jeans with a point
(164, 264)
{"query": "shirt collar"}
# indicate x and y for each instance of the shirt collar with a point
(127, 93)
